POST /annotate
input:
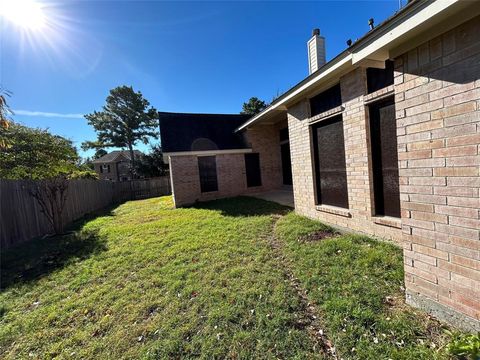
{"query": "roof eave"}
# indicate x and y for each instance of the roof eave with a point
(291, 95)
(374, 46)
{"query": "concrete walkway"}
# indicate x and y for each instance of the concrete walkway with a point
(282, 197)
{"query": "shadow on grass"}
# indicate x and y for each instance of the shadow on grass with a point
(39, 257)
(243, 206)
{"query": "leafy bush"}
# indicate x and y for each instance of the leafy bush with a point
(464, 346)
(36, 154)
(84, 174)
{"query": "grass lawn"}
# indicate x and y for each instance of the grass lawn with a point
(149, 281)
(357, 284)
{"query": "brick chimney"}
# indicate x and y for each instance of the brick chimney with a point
(316, 51)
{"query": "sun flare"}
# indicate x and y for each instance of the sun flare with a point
(28, 14)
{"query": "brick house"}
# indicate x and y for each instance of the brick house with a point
(384, 139)
(115, 166)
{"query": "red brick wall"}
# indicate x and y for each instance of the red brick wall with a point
(112, 175)
(437, 93)
(231, 175)
(265, 139)
(437, 96)
(359, 217)
(437, 99)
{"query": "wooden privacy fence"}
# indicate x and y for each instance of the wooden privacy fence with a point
(21, 218)
(147, 188)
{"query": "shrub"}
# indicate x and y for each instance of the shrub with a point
(464, 346)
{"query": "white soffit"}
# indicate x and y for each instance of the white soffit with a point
(378, 47)
(373, 51)
(281, 104)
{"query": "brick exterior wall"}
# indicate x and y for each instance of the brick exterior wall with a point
(107, 175)
(360, 186)
(231, 174)
(437, 100)
(437, 94)
(118, 170)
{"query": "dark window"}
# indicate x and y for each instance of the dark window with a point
(330, 168)
(283, 134)
(286, 164)
(326, 100)
(252, 167)
(207, 167)
(101, 169)
(379, 78)
(383, 133)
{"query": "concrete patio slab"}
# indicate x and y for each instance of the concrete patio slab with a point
(282, 197)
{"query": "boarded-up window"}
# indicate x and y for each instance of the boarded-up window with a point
(326, 100)
(252, 167)
(379, 78)
(330, 167)
(207, 167)
(383, 133)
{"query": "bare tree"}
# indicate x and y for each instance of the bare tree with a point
(51, 195)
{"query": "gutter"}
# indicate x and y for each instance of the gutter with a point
(342, 59)
(375, 43)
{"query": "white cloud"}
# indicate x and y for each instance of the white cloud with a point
(47, 114)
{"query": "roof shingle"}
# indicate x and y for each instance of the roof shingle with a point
(197, 132)
(113, 155)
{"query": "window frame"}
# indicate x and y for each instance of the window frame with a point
(332, 96)
(375, 159)
(319, 199)
(253, 177)
(386, 76)
(204, 187)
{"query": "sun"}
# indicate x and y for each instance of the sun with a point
(27, 14)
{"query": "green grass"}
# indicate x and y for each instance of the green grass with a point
(154, 282)
(357, 283)
(149, 281)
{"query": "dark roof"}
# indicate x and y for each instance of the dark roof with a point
(113, 155)
(197, 132)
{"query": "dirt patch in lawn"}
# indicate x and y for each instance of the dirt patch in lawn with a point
(317, 236)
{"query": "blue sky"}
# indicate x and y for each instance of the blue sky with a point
(183, 56)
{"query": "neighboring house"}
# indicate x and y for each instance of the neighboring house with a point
(115, 166)
(384, 140)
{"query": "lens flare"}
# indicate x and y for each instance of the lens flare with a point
(27, 14)
(49, 32)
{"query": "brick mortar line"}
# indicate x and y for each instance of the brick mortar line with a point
(309, 310)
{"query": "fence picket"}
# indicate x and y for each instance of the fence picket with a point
(21, 219)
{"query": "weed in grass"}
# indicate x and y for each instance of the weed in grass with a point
(464, 346)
